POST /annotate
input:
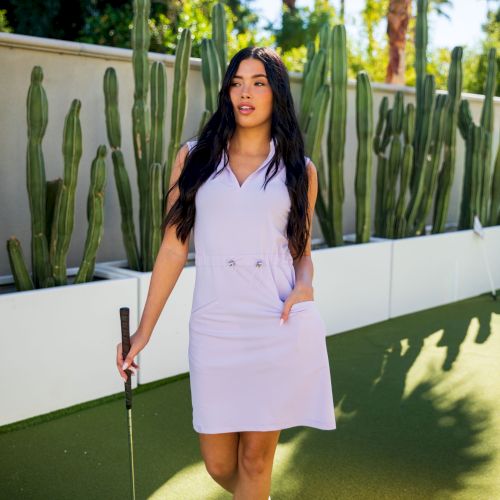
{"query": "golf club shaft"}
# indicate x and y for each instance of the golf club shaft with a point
(125, 328)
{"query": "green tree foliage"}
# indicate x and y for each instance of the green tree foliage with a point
(109, 22)
(300, 25)
(4, 24)
(476, 59)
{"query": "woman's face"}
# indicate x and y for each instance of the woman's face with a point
(250, 86)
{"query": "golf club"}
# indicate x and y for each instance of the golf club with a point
(125, 326)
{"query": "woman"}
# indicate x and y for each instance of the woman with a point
(257, 352)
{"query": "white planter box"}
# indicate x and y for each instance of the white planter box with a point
(59, 345)
(352, 283)
(432, 270)
(166, 353)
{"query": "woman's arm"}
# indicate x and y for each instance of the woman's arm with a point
(168, 266)
(169, 263)
(304, 270)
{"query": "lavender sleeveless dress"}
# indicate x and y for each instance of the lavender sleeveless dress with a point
(248, 373)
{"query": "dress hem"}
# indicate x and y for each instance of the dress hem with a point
(307, 423)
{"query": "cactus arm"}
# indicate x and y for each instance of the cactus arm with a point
(495, 192)
(364, 130)
(122, 181)
(95, 216)
(337, 131)
(179, 102)
(37, 118)
(64, 211)
(219, 36)
(140, 113)
(156, 208)
(22, 278)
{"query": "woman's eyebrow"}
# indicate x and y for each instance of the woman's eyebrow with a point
(254, 76)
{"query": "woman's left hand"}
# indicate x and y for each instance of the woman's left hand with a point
(300, 293)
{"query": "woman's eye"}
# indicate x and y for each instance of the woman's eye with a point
(237, 83)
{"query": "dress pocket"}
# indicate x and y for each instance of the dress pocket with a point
(205, 289)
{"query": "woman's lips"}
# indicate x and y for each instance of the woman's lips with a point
(246, 111)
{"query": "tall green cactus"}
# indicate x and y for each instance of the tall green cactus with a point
(324, 81)
(393, 164)
(141, 125)
(487, 120)
(379, 222)
(22, 278)
(148, 133)
(95, 216)
(420, 166)
(495, 192)
(421, 39)
(447, 172)
(477, 186)
(37, 117)
(64, 210)
(364, 131)
(211, 75)
(122, 181)
(213, 62)
(400, 228)
(218, 17)
(432, 163)
(337, 131)
(155, 208)
(55, 200)
(179, 102)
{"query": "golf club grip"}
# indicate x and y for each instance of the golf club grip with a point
(125, 326)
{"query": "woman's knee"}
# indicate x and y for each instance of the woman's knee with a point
(253, 462)
(256, 452)
(220, 469)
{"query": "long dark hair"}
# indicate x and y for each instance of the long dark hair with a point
(204, 157)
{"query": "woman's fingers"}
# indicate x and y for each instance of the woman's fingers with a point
(119, 363)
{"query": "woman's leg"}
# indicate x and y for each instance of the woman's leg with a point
(220, 454)
(255, 463)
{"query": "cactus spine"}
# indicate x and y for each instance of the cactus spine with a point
(364, 130)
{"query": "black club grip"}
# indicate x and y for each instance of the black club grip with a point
(125, 325)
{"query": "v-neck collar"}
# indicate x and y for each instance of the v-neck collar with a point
(263, 164)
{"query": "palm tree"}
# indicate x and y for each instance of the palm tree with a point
(398, 17)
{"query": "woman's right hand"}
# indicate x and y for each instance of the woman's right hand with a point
(137, 343)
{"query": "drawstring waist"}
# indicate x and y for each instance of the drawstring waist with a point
(251, 259)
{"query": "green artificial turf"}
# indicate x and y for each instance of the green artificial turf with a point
(417, 402)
